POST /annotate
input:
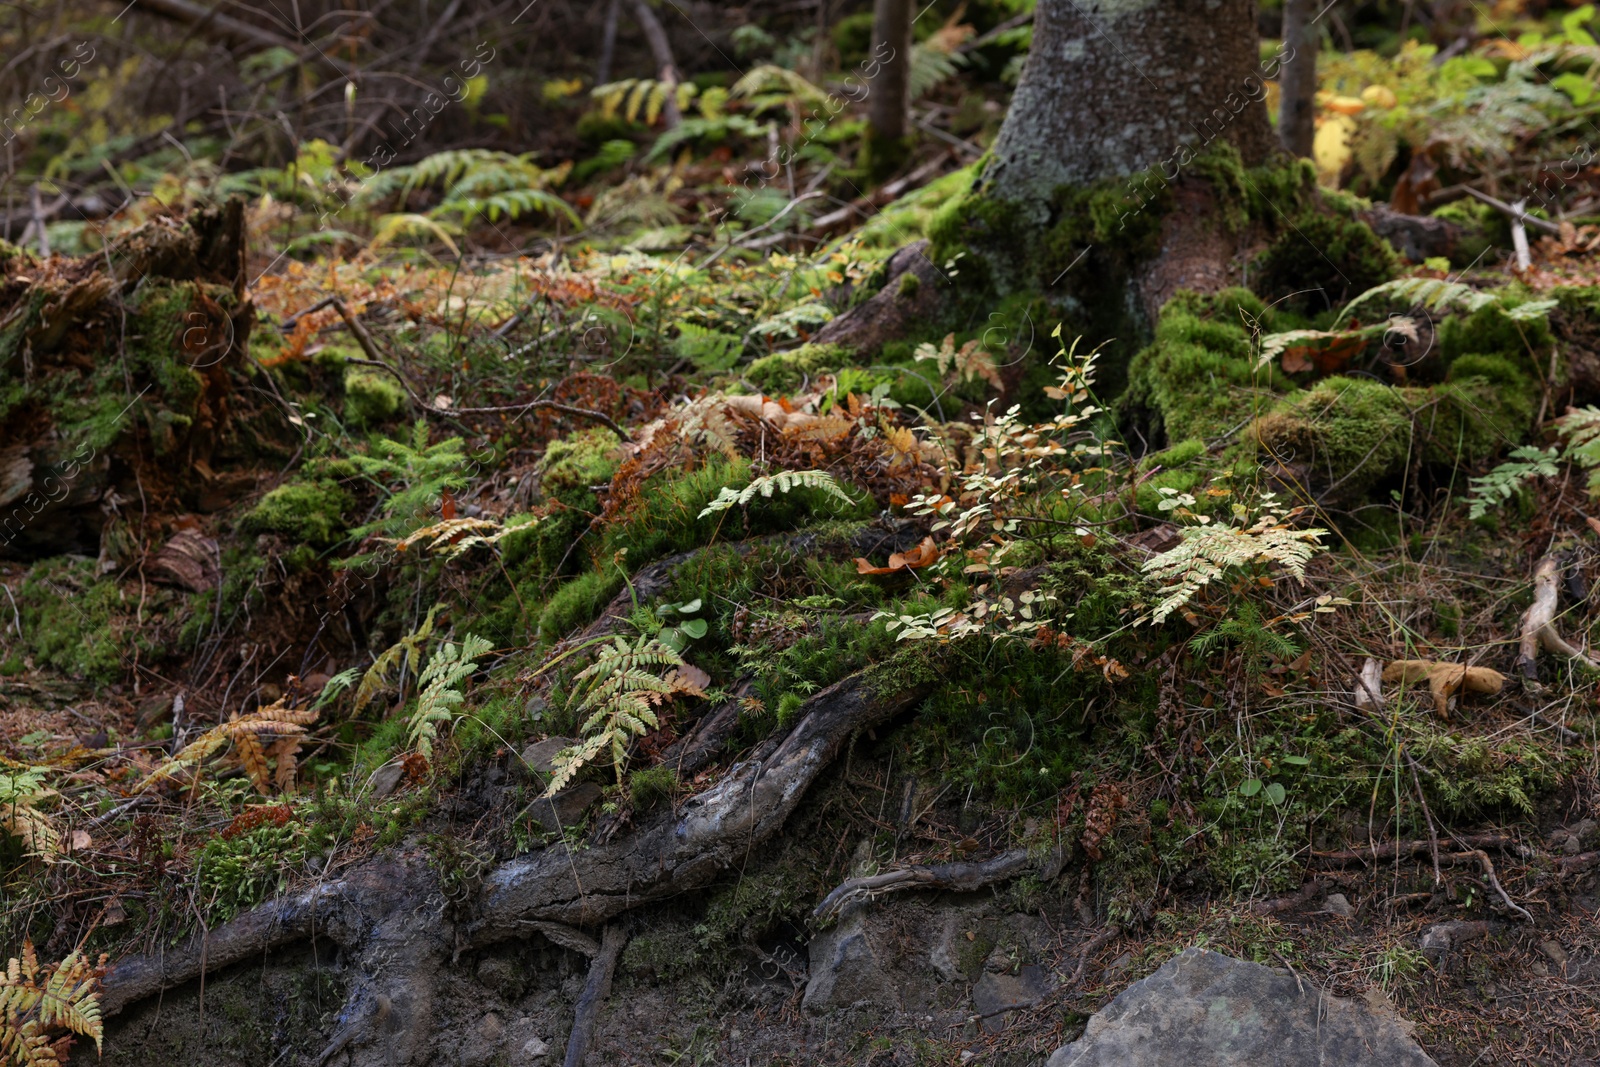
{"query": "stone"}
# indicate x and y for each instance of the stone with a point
(995, 996)
(846, 969)
(385, 779)
(534, 1049)
(1338, 904)
(481, 1045)
(538, 759)
(1203, 1009)
(566, 808)
(1554, 952)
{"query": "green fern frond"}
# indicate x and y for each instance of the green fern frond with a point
(707, 349)
(1502, 483)
(782, 482)
(441, 689)
(1441, 296)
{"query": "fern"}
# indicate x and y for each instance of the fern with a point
(1251, 634)
(1500, 484)
(37, 1001)
(624, 687)
(270, 733)
(472, 181)
(391, 228)
(407, 650)
(1209, 552)
(441, 689)
(1442, 296)
(782, 482)
(789, 323)
(772, 87)
(1581, 429)
(611, 154)
(707, 349)
(20, 791)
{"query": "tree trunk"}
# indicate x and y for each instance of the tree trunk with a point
(661, 49)
(1297, 81)
(1114, 87)
(890, 95)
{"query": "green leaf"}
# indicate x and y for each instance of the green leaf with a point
(1575, 85)
(673, 638)
(1297, 761)
(1276, 793)
(1249, 787)
(695, 628)
(691, 607)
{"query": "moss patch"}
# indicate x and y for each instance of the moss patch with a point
(314, 513)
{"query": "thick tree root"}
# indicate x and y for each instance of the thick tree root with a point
(1538, 622)
(389, 915)
(712, 833)
(961, 877)
(1351, 856)
(595, 990)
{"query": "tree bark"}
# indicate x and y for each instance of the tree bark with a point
(1297, 81)
(608, 43)
(1114, 87)
(890, 95)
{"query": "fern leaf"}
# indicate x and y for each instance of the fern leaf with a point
(782, 482)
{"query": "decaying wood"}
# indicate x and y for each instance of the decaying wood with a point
(595, 991)
(1538, 622)
(961, 877)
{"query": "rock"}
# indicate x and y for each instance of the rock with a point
(566, 808)
(995, 995)
(386, 778)
(1554, 953)
(534, 1050)
(538, 758)
(1116, 969)
(481, 1046)
(1338, 904)
(1203, 1009)
(846, 969)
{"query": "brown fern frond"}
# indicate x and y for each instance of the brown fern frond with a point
(253, 760)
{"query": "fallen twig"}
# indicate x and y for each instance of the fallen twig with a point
(1489, 876)
(1096, 943)
(1514, 213)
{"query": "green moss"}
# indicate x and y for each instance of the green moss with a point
(71, 620)
(783, 373)
(1351, 434)
(314, 513)
(578, 602)
(370, 398)
(651, 786)
(1199, 379)
(1321, 261)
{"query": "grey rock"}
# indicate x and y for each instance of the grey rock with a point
(534, 1050)
(846, 969)
(386, 778)
(538, 758)
(996, 995)
(1203, 1009)
(566, 808)
(482, 1044)
(1338, 904)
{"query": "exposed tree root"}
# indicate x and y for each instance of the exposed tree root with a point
(713, 831)
(595, 990)
(1538, 622)
(1351, 856)
(389, 915)
(962, 877)
(916, 291)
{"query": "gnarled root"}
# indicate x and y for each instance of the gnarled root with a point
(962, 877)
(1538, 622)
(595, 990)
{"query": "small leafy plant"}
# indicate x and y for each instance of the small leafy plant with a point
(441, 689)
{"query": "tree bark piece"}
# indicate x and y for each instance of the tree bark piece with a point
(595, 991)
(961, 877)
(1369, 686)
(1538, 622)
(1297, 79)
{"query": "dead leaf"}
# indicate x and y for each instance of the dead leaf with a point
(925, 553)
